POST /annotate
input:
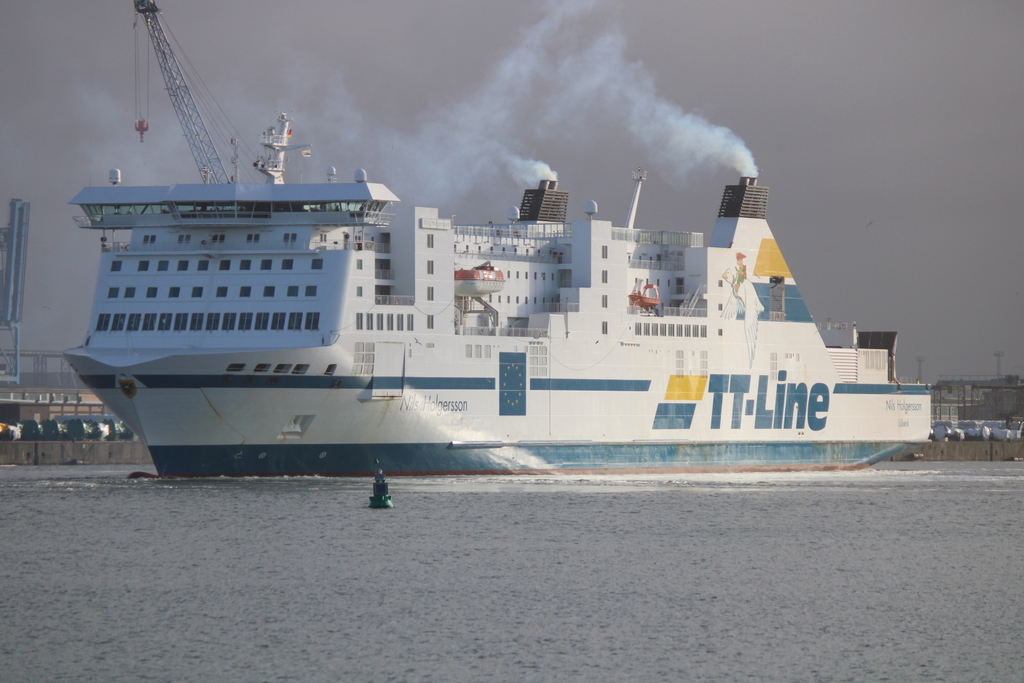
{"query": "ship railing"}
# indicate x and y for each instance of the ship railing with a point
(527, 332)
(514, 231)
(115, 246)
(777, 315)
(491, 255)
(352, 245)
(642, 310)
(652, 264)
(561, 307)
(683, 312)
(392, 300)
(663, 237)
(383, 274)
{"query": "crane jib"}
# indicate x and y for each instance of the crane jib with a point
(199, 141)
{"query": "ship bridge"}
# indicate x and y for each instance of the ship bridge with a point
(121, 207)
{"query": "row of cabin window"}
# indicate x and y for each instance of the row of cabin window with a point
(221, 292)
(391, 322)
(223, 264)
(180, 322)
(670, 330)
(281, 368)
(251, 238)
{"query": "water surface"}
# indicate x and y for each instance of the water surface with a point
(904, 572)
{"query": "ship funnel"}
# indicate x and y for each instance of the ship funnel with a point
(546, 204)
(745, 200)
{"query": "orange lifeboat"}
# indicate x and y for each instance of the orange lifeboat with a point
(478, 281)
(644, 296)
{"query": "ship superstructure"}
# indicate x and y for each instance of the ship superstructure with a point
(301, 329)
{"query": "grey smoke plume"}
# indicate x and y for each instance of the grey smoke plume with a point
(677, 140)
(481, 137)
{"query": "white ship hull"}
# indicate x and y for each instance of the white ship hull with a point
(571, 378)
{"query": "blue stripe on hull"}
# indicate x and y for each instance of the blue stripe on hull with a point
(433, 458)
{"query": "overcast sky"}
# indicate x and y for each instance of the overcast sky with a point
(890, 133)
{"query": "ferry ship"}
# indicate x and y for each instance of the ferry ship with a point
(301, 329)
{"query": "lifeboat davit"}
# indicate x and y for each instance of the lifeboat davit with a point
(645, 296)
(478, 281)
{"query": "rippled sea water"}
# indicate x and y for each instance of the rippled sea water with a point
(903, 572)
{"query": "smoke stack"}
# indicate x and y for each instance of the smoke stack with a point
(746, 200)
(546, 204)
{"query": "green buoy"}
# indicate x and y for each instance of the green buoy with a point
(380, 498)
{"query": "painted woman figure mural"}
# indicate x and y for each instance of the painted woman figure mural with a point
(744, 298)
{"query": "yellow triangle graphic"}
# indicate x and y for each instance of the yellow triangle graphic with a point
(770, 261)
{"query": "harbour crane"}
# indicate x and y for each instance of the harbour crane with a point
(199, 140)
